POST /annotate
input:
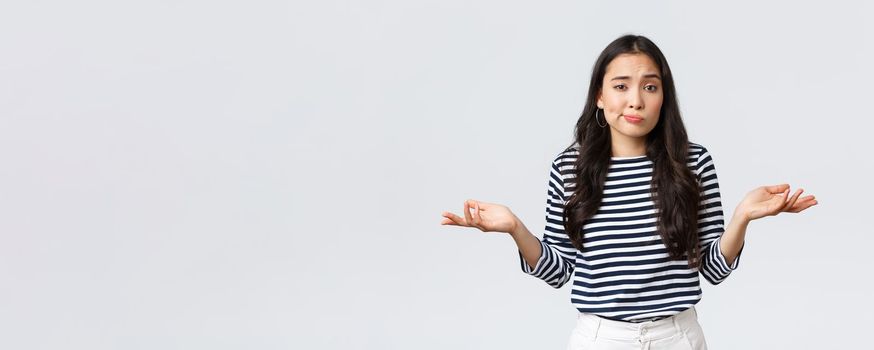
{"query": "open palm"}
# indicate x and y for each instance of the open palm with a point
(487, 217)
(772, 200)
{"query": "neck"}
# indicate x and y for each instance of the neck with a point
(624, 146)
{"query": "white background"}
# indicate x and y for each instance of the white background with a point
(270, 175)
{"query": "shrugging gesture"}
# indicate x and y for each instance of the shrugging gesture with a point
(487, 217)
(772, 200)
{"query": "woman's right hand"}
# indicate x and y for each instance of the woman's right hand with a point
(487, 217)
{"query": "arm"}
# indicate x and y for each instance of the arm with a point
(552, 258)
(720, 247)
(733, 238)
(529, 246)
(760, 202)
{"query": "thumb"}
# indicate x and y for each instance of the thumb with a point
(777, 188)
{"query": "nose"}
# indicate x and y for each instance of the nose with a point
(635, 101)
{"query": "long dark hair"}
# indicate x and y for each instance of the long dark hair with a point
(667, 146)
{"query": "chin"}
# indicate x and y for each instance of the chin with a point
(636, 132)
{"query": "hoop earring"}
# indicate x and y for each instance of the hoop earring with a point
(596, 118)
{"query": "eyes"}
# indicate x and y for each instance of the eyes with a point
(648, 87)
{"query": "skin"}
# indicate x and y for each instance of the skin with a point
(629, 88)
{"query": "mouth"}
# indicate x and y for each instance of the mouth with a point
(633, 118)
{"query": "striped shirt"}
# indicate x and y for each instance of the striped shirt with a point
(624, 272)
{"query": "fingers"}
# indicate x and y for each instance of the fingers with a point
(476, 220)
(801, 207)
(803, 203)
(452, 219)
(791, 202)
(777, 188)
(467, 218)
(775, 204)
(778, 204)
(806, 198)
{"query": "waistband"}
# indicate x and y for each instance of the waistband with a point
(598, 327)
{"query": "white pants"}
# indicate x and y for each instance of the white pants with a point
(680, 331)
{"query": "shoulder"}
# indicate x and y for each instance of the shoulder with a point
(700, 159)
(567, 155)
(696, 150)
(563, 162)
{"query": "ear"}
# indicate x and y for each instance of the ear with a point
(599, 103)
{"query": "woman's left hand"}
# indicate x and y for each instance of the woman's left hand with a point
(773, 200)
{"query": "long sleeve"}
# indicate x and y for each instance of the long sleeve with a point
(556, 263)
(711, 226)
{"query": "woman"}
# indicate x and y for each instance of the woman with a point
(634, 213)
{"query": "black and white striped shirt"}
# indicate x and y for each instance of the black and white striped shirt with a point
(624, 272)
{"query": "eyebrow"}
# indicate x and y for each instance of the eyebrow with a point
(625, 77)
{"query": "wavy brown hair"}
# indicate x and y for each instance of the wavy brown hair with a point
(674, 186)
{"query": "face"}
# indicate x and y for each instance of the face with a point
(631, 96)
